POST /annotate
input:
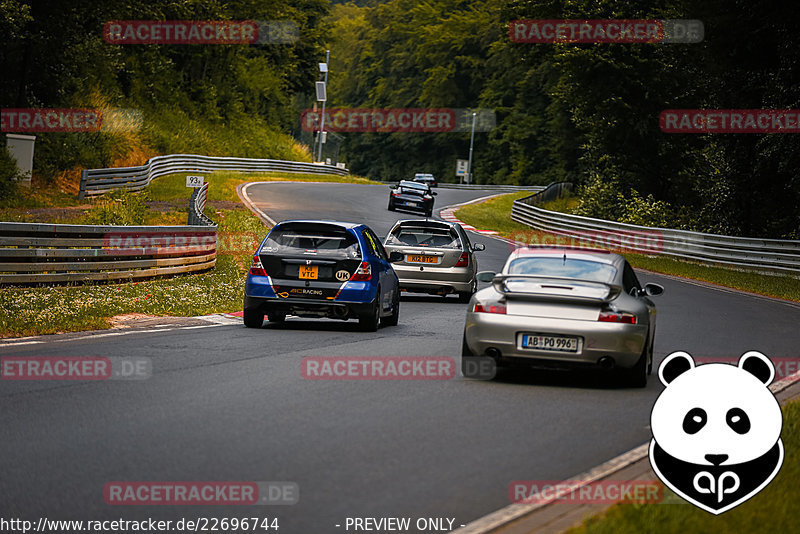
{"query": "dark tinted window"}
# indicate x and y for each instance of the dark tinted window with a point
(306, 239)
(629, 280)
(374, 244)
(424, 236)
(562, 266)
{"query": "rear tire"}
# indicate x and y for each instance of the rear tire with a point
(369, 322)
(391, 206)
(464, 296)
(253, 318)
(276, 317)
(465, 348)
(394, 318)
(636, 376)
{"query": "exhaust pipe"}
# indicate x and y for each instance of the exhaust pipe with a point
(494, 353)
(606, 362)
(340, 312)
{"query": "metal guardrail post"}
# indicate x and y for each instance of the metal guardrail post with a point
(82, 189)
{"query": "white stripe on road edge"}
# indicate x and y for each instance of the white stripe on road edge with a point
(220, 319)
(66, 336)
(513, 512)
(242, 192)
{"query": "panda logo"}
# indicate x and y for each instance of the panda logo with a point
(716, 430)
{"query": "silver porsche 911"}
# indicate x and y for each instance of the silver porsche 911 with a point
(564, 309)
(438, 257)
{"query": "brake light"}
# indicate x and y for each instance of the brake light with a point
(489, 308)
(463, 261)
(256, 268)
(617, 317)
(363, 273)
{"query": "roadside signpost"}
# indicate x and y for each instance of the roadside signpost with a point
(461, 169)
(194, 181)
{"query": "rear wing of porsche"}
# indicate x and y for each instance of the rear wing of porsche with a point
(556, 288)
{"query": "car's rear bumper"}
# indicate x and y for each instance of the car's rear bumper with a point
(433, 279)
(308, 307)
(354, 299)
(487, 332)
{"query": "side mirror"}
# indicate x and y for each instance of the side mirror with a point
(396, 256)
(434, 193)
(477, 247)
(653, 290)
(485, 276)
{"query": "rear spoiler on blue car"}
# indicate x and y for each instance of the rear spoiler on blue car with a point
(558, 288)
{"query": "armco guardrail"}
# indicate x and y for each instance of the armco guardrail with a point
(99, 181)
(772, 255)
(197, 204)
(54, 253)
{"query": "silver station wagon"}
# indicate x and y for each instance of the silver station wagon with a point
(564, 309)
(438, 257)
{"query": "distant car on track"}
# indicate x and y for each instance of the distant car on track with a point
(426, 178)
(564, 308)
(322, 269)
(414, 196)
(438, 257)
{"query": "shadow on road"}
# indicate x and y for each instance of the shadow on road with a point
(581, 379)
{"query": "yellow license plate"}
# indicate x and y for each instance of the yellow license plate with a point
(422, 259)
(309, 272)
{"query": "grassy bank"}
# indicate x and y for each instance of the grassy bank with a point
(49, 310)
(167, 196)
(495, 214)
(773, 510)
(223, 184)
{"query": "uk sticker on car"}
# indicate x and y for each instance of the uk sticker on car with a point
(551, 343)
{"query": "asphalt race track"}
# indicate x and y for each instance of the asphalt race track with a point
(226, 403)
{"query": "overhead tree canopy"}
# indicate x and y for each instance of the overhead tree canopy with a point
(583, 112)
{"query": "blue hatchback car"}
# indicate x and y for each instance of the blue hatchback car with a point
(322, 269)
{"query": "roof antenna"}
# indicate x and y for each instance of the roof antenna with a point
(564, 262)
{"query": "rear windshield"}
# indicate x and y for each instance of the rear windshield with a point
(328, 241)
(566, 267)
(424, 236)
(416, 187)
